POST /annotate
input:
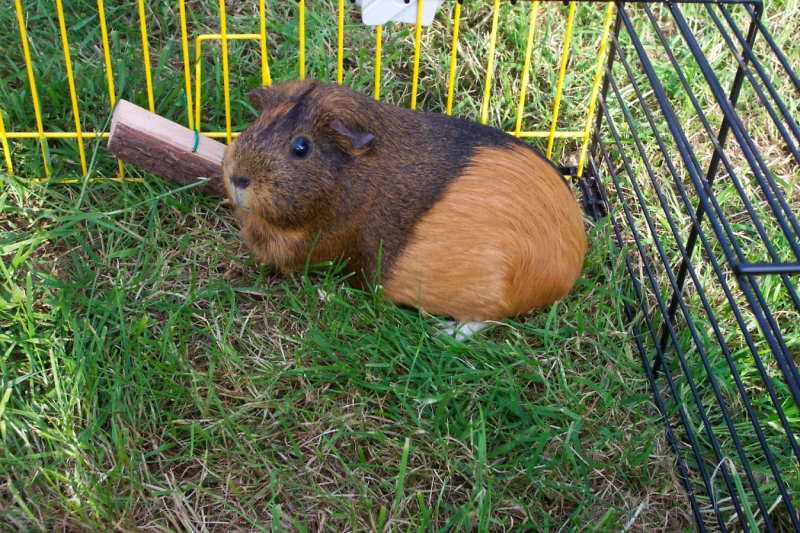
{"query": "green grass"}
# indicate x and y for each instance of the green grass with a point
(155, 376)
(159, 376)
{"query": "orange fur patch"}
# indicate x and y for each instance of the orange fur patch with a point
(507, 237)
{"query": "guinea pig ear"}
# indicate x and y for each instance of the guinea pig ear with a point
(357, 137)
(258, 98)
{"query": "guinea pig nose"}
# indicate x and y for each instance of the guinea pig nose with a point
(240, 182)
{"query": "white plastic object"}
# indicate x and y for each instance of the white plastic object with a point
(378, 12)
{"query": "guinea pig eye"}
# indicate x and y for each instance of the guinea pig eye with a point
(301, 148)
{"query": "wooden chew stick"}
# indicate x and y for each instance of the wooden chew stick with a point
(164, 148)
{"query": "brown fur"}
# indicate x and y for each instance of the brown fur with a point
(271, 244)
(505, 239)
(278, 112)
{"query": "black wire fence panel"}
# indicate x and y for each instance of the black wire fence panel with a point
(701, 209)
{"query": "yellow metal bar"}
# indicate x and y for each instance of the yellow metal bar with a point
(302, 34)
(223, 134)
(266, 79)
(49, 135)
(225, 74)
(6, 149)
(526, 69)
(198, 74)
(71, 80)
(562, 70)
(90, 180)
(198, 65)
(112, 96)
(146, 54)
(340, 52)
(37, 110)
(598, 76)
(453, 57)
(229, 36)
(490, 66)
(378, 40)
(563, 134)
(187, 70)
(107, 52)
(417, 39)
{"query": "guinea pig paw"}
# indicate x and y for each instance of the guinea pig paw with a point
(463, 331)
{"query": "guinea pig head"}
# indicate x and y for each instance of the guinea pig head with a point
(287, 167)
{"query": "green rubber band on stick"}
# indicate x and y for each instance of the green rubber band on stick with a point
(196, 133)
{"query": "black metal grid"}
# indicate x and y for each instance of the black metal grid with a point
(710, 245)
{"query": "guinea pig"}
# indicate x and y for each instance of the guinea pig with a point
(456, 218)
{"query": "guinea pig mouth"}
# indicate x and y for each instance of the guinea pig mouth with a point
(237, 195)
